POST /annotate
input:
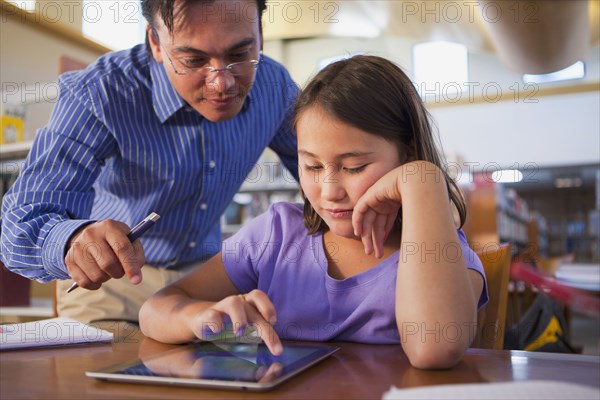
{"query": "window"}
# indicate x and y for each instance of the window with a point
(440, 68)
(117, 25)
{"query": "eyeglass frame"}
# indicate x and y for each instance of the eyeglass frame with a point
(209, 68)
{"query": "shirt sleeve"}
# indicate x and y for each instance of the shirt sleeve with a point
(53, 195)
(243, 252)
(473, 262)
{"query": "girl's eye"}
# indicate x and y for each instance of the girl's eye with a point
(312, 167)
(355, 170)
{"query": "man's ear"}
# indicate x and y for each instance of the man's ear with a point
(154, 46)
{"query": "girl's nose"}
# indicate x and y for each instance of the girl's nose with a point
(332, 187)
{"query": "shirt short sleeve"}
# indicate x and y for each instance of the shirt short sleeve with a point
(242, 252)
(473, 262)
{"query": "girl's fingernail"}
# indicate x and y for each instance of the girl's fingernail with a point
(213, 328)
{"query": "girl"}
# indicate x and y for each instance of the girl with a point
(373, 256)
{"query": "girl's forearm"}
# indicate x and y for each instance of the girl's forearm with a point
(168, 316)
(432, 275)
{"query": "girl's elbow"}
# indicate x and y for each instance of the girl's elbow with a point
(435, 355)
(144, 319)
(147, 317)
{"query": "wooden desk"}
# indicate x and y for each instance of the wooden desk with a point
(355, 372)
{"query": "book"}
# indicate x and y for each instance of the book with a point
(50, 332)
(531, 390)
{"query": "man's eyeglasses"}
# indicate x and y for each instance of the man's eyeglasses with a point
(236, 69)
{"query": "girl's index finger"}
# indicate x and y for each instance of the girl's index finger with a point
(358, 216)
(260, 310)
(270, 337)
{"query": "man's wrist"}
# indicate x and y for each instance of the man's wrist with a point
(56, 245)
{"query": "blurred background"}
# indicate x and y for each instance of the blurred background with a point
(513, 88)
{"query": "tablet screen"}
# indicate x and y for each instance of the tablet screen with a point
(220, 364)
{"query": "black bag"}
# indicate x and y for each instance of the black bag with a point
(542, 328)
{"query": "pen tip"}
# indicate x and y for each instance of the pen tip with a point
(72, 287)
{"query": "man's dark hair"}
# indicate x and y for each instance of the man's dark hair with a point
(166, 10)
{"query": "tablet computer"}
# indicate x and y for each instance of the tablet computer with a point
(227, 365)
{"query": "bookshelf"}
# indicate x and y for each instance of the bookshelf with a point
(496, 214)
(258, 192)
(572, 220)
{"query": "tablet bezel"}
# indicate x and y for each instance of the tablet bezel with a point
(110, 373)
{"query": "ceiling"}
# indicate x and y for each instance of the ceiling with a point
(528, 36)
(535, 36)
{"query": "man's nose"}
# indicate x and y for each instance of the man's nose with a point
(220, 80)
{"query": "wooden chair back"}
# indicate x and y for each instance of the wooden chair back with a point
(492, 319)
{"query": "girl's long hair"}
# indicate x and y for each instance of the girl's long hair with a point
(373, 94)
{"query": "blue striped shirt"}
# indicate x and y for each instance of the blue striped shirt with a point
(122, 143)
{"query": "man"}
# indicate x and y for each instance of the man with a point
(171, 127)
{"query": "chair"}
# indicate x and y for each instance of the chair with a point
(523, 294)
(491, 321)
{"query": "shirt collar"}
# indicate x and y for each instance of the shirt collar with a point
(166, 100)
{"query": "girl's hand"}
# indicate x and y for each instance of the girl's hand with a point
(376, 211)
(252, 308)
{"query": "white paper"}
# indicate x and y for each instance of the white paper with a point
(50, 332)
(530, 390)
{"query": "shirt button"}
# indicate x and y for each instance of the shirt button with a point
(189, 109)
(212, 164)
(203, 206)
(192, 245)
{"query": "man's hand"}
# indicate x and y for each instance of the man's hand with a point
(102, 251)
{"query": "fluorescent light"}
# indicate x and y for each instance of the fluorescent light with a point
(507, 176)
(575, 71)
(440, 67)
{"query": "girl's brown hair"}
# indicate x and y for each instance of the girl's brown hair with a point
(376, 96)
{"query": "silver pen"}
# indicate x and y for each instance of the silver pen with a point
(133, 235)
